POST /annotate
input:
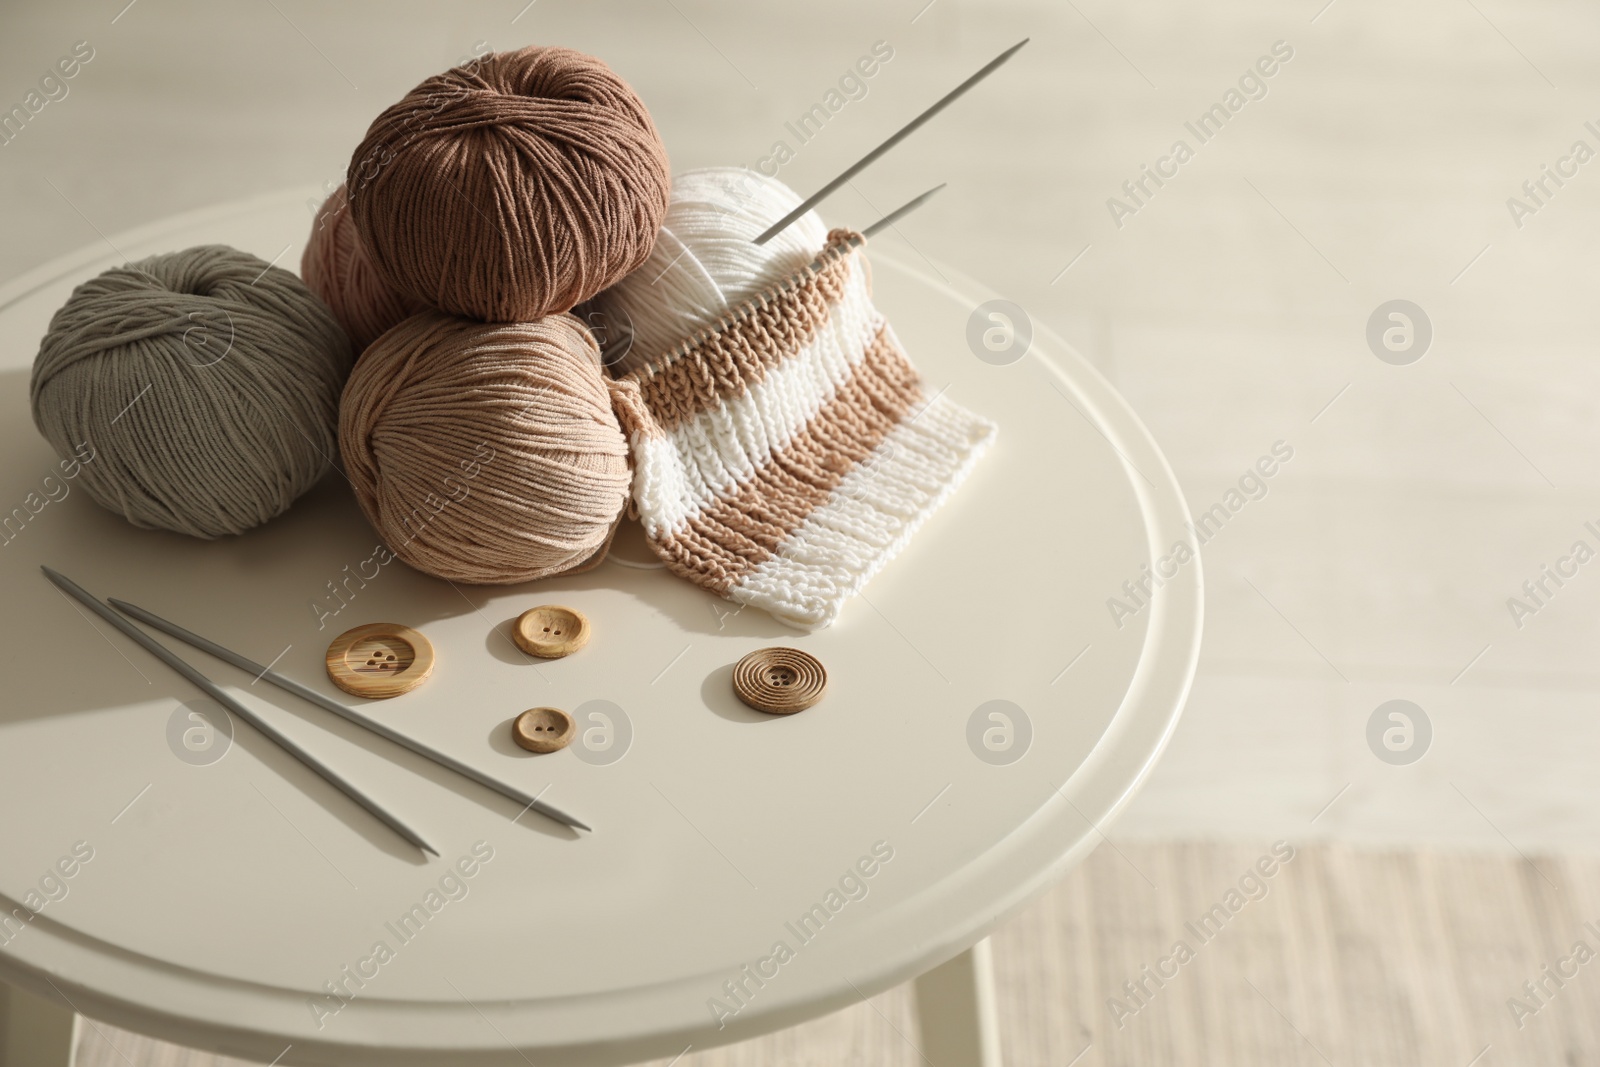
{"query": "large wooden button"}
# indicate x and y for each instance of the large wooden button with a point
(779, 681)
(379, 660)
(551, 631)
(543, 729)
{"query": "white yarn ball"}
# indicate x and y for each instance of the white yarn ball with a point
(705, 262)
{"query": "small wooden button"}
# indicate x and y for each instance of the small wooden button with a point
(379, 660)
(780, 681)
(551, 631)
(543, 729)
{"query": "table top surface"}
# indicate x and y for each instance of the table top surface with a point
(221, 899)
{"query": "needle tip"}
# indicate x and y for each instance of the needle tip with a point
(566, 820)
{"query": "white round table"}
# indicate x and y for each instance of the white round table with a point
(238, 905)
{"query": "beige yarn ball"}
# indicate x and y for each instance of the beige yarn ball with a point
(486, 453)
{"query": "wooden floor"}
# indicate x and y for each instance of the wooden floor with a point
(1346, 957)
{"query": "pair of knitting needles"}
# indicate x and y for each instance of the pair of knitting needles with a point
(215, 692)
(899, 135)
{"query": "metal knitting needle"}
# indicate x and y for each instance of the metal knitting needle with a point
(896, 215)
(212, 690)
(817, 265)
(304, 692)
(905, 131)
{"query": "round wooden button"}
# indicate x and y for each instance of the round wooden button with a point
(551, 631)
(379, 660)
(780, 681)
(543, 729)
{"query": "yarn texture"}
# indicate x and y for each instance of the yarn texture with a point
(207, 383)
(705, 261)
(335, 267)
(785, 455)
(511, 188)
(486, 453)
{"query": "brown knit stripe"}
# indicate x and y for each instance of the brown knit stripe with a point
(726, 540)
(725, 362)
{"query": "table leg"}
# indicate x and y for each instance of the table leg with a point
(955, 1011)
(35, 1032)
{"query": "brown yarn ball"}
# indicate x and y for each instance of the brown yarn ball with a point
(335, 267)
(512, 188)
(486, 453)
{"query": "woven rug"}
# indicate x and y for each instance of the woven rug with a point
(1335, 957)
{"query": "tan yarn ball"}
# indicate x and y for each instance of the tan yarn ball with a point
(486, 453)
(335, 267)
(511, 188)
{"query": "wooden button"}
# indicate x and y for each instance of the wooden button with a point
(543, 729)
(379, 660)
(780, 681)
(551, 631)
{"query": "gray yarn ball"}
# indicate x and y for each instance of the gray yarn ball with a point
(205, 381)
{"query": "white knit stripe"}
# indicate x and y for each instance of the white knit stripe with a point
(706, 458)
(869, 517)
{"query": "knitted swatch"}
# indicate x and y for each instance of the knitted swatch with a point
(785, 454)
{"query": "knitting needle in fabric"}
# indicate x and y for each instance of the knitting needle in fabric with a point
(817, 265)
(215, 692)
(892, 217)
(905, 131)
(304, 692)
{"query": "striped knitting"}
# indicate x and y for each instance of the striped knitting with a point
(784, 455)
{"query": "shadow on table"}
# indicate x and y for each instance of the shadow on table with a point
(260, 593)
